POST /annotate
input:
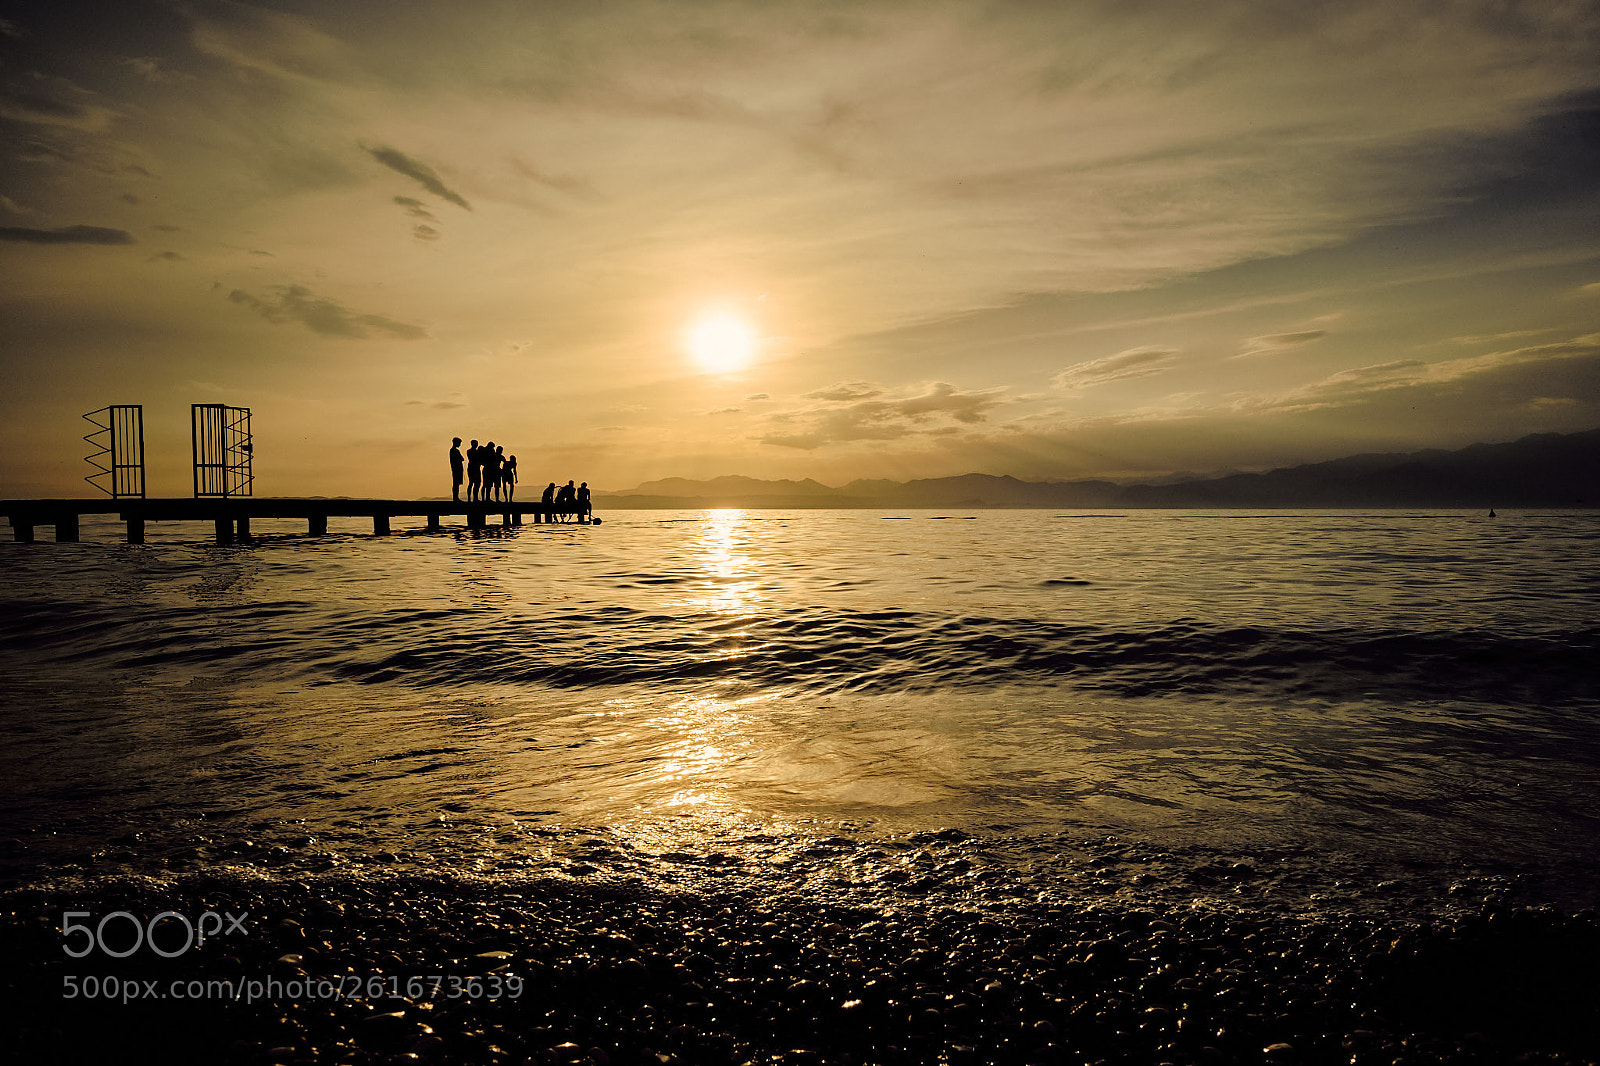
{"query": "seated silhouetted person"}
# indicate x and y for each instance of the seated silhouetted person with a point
(584, 508)
(566, 500)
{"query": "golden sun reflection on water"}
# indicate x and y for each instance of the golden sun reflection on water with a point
(703, 739)
(699, 763)
(724, 755)
(725, 565)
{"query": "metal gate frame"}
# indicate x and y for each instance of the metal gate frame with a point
(222, 448)
(120, 436)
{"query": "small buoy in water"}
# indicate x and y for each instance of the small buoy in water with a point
(1492, 514)
(596, 521)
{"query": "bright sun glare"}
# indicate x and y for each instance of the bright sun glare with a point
(721, 342)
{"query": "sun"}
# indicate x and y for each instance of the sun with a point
(721, 342)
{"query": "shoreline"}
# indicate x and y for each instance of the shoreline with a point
(633, 974)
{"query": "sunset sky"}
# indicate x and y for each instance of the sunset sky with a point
(1048, 239)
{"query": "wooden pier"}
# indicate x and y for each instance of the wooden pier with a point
(231, 516)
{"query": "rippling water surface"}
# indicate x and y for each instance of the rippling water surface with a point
(1395, 683)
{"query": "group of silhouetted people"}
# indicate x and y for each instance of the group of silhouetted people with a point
(490, 473)
(491, 476)
(566, 500)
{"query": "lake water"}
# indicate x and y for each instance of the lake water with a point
(1365, 690)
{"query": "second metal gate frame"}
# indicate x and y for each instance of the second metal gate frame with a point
(222, 448)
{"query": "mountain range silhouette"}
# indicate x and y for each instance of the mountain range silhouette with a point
(1542, 470)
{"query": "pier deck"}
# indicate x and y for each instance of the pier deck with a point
(231, 516)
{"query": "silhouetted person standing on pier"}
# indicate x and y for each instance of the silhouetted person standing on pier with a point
(474, 472)
(491, 472)
(508, 477)
(547, 501)
(583, 500)
(457, 467)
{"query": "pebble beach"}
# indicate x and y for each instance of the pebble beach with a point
(967, 956)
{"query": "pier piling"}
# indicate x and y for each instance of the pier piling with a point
(67, 527)
(135, 530)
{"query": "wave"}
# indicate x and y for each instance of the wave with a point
(822, 650)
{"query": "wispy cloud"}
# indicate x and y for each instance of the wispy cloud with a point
(423, 230)
(944, 399)
(1132, 363)
(847, 390)
(563, 183)
(1495, 338)
(419, 172)
(1358, 383)
(54, 101)
(416, 208)
(154, 70)
(285, 46)
(66, 235)
(296, 303)
(1273, 343)
(928, 412)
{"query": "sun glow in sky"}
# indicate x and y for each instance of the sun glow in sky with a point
(1096, 239)
(721, 342)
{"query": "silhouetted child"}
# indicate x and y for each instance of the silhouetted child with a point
(508, 477)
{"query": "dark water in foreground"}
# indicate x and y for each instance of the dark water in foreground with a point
(1363, 691)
